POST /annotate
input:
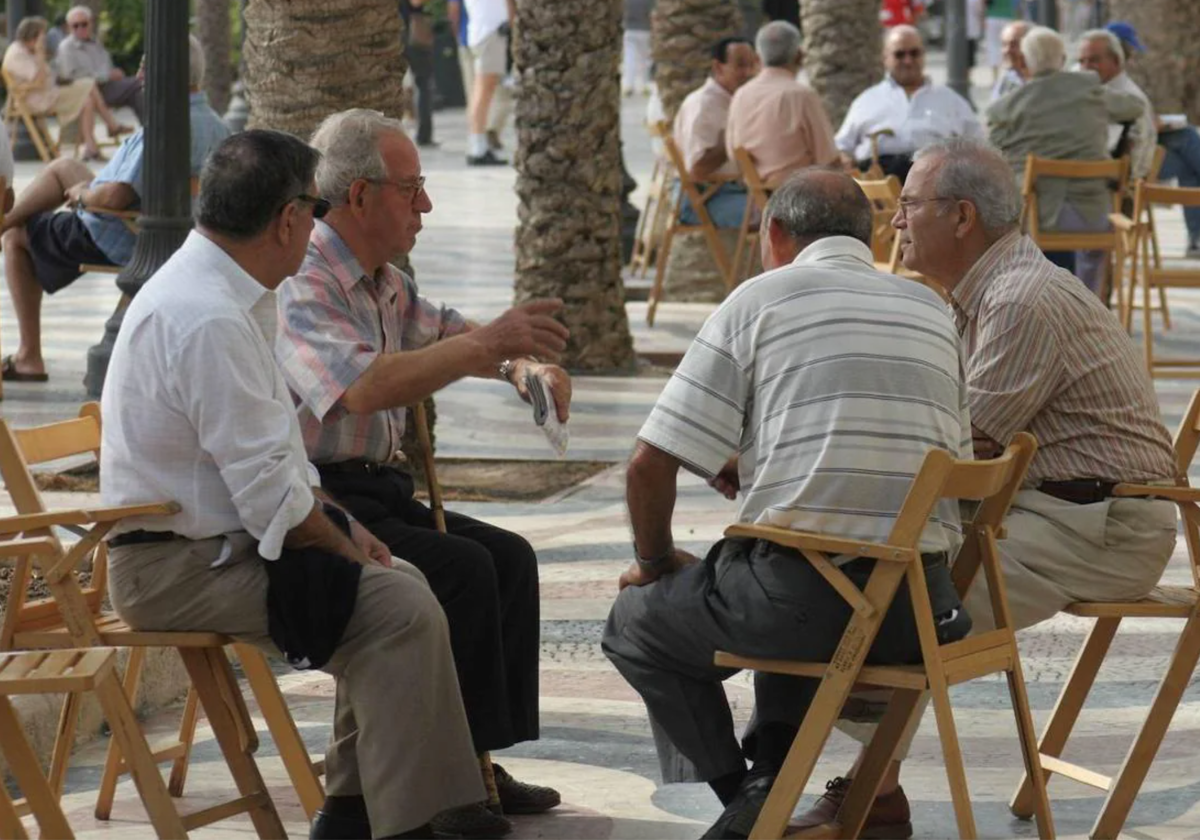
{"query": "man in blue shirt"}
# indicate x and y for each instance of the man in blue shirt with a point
(47, 235)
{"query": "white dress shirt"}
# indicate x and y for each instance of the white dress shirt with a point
(934, 112)
(197, 412)
(700, 124)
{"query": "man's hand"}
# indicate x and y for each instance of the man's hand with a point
(75, 193)
(366, 542)
(635, 575)
(116, 74)
(557, 379)
(525, 330)
(984, 446)
(727, 482)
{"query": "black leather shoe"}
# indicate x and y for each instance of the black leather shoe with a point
(738, 817)
(336, 827)
(488, 158)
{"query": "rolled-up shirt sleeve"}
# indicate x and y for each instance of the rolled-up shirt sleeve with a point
(227, 388)
(426, 322)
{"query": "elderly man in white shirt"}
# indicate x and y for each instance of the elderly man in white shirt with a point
(699, 131)
(1100, 51)
(196, 410)
(81, 56)
(906, 110)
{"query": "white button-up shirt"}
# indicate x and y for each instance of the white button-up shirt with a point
(700, 124)
(196, 411)
(934, 112)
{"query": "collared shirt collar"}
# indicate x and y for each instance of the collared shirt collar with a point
(243, 288)
(345, 266)
(967, 295)
(835, 247)
(713, 87)
(926, 84)
(776, 73)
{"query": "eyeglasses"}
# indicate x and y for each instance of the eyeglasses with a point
(905, 204)
(412, 186)
(900, 55)
(320, 206)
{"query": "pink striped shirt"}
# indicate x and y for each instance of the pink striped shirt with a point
(1045, 356)
(334, 321)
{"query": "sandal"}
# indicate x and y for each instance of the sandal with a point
(9, 372)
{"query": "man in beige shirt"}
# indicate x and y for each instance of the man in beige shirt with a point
(699, 131)
(779, 121)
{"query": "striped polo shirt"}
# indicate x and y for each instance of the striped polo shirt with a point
(830, 381)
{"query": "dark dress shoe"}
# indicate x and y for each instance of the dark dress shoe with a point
(337, 827)
(521, 797)
(488, 158)
(738, 817)
(471, 821)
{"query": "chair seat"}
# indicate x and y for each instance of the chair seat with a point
(1162, 602)
(45, 672)
(116, 633)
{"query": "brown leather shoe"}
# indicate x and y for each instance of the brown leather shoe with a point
(888, 819)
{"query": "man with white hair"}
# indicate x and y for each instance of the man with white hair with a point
(1100, 51)
(1015, 71)
(908, 105)
(1063, 116)
(48, 234)
(81, 56)
(779, 121)
(1044, 356)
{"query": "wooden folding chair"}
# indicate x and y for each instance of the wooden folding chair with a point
(16, 109)
(132, 220)
(699, 200)
(884, 195)
(1178, 602)
(994, 482)
(72, 672)
(749, 232)
(1115, 172)
(653, 219)
(74, 616)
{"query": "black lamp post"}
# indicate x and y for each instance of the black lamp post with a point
(166, 206)
(956, 47)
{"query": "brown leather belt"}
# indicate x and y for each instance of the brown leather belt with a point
(1079, 491)
(139, 537)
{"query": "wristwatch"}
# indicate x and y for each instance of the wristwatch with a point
(506, 369)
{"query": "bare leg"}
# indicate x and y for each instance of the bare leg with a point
(87, 125)
(104, 111)
(46, 191)
(481, 101)
(27, 301)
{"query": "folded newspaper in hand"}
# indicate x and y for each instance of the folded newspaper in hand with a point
(545, 414)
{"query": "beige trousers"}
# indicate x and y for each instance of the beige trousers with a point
(502, 102)
(1055, 553)
(400, 736)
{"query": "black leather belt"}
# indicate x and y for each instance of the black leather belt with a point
(360, 466)
(139, 537)
(1079, 491)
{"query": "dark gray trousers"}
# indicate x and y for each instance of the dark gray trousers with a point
(755, 599)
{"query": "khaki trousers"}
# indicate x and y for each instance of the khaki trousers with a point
(1056, 553)
(502, 102)
(400, 736)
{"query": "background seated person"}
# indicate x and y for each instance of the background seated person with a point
(778, 397)
(1100, 51)
(699, 132)
(25, 61)
(779, 121)
(44, 245)
(907, 101)
(81, 56)
(1063, 116)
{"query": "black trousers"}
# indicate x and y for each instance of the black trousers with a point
(486, 581)
(420, 61)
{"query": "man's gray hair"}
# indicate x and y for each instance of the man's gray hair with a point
(777, 43)
(81, 10)
(819, 202)
(349, 145)
(1044, 51)
(196, 65)
(1110, 40)
(975, 171)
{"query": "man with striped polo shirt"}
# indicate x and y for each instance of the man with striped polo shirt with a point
(817, 388)
(1044, 356)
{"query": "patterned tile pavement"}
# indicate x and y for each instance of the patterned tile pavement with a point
(595, 743)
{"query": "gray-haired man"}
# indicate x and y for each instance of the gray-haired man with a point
(81, 56)
(761, 402)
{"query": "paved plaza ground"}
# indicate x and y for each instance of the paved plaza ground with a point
(596, 745)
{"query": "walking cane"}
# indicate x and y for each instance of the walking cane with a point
(439, 519)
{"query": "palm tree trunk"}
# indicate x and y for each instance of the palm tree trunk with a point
(843, 50)
(213, 31)
(1169, 70)
(568, 163)
(682, 33)
(307, 59)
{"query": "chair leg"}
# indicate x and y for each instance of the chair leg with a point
(10, 820)
(283, 729)
(660, 274)
(1147, 327)
(879, 754)
(952, 756)
(27, 770)
(1162, 303)
(64, 740)
(187, 735)
(112, 761)
(1128, 780)
(1029, 747)
(127, 732)
(217, 687)
(1069, 705)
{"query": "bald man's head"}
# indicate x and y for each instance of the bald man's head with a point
(904, 56)
(813, 204)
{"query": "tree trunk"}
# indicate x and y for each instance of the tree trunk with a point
(1169, 70)
(213, 32)
(307, 59)
(843, 50)
(682, 33)
(568, 160)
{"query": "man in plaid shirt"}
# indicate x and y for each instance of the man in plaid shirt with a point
(358, 344)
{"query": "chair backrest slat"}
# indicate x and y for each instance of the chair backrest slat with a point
(1160, 194)
(755, 185)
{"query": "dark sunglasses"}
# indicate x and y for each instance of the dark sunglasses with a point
(320, 206)
(900, 55)
(81, 25)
